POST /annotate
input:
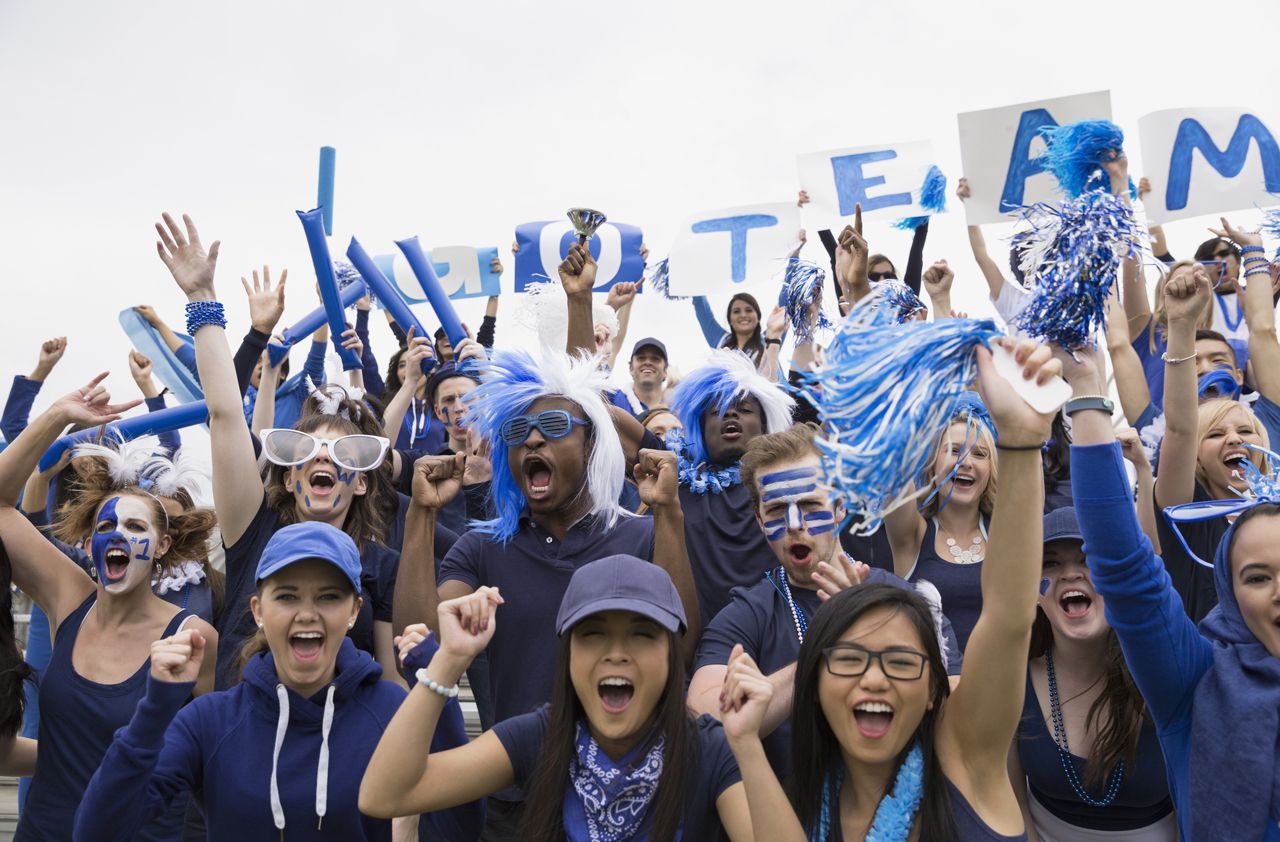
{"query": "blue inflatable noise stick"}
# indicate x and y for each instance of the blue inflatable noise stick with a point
(426, 275)
(308, 324)
(384, 292)
(324, 186)
(312, 225)
(127, 429)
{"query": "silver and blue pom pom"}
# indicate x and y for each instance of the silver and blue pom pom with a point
(802, 295)
(1074, 155)
(900, 298)
(659, 280)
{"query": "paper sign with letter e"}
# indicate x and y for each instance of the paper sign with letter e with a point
(463, 272)
(723, 251)
(998, 147)
(1209, 161)
(884, 179)
(542, 245)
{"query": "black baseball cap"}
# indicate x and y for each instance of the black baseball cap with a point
(621, 583)
(650, 342)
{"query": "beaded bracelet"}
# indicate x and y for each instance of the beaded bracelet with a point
(1246, 249)
(201, 313)
(434, 686)
(1175, 360)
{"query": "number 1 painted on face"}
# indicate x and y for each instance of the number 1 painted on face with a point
(145, 544)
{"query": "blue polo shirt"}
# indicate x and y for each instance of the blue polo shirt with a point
(727, 548)
(759, 618)
(533, 570)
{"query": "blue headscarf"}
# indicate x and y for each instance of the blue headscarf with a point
(1235, 723)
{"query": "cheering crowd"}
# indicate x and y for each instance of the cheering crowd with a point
(674, 619)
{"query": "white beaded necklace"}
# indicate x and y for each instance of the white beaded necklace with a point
(974, 554)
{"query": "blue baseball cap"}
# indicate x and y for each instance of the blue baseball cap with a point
(621, 583)
(302, 541)
(1061, 525)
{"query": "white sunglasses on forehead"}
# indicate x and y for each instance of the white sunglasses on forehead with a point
(290, 448)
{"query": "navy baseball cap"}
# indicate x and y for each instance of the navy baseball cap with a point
(301, 541)
(445, 372)
(650, 342)
(1061, 525)
(621, 583)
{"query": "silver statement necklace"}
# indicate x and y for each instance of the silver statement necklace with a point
(959, 555)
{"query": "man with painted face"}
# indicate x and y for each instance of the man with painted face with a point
(558, 468)
(723, 406)
(769, 618)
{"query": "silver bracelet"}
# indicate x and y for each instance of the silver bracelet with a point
(435, 687)
(1167, 361)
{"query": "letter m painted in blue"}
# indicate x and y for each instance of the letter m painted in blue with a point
(1228, 162)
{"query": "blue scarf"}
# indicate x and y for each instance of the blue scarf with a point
(607, 801)
(1235, 722)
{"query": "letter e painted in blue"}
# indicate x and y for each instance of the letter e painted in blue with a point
(852, 183)
(737, 226)
(1228, 162)
(1021, 165)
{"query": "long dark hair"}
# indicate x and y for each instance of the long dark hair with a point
(1057, 458)
(543, 815)
(1117, 732)
(755, 344)
(14, 671)
(815, 751)
(392, 380)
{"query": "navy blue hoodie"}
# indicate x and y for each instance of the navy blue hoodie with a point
(260, 771)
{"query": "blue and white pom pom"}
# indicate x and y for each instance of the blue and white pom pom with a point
(1271, 228)
(884, 393)
(1074, 154)
(801, 290)
(659, 280)
(1071, 257)
(932, 197)
(347, 275)
(900, 298)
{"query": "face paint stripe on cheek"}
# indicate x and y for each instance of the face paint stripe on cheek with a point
(775, 529)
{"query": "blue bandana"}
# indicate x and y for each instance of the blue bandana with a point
(607, 801)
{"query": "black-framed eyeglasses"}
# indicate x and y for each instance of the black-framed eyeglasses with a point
(1224, 254)
(882, 276)
(552, 423)
(848, 660)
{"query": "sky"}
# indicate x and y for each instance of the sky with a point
(457, 121)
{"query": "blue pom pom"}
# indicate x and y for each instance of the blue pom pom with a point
(1271, 227)
(900, 298)
(884, 394)
(347, 275)
(1075, 153)
(1071, 257)
(932, 197)
(801, 290)
(659, 280)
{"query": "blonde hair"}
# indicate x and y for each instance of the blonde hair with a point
(1210, 414)
(1159, 314)
(987, 502)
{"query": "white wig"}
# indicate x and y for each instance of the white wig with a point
(546, 311)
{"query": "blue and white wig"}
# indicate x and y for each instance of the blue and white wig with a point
(728, 376)
(509, 384)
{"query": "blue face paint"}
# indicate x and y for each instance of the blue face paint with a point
(775, 529)
(336, 500)
(793, 516)
(1044, 585)
(104, 540)
(817, 523)
(297, 487)
(787, 476)
(306, 500)
(787, 491)
(145, 544)
(790, 487)
(347, 478)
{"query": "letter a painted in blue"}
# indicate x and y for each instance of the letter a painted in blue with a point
(1228, 162)
(852, 184)
(737, 226)
(1021, 165)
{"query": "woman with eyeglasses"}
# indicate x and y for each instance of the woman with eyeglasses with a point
(319, 470)
(882, 748)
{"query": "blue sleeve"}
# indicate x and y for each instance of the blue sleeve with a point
(17, 409)
(247, 356)
(314, 367)
(170, 441)
(711, 329)
(521, 736)
(372, 378)
(186, 354)
(149, 763)
(1165, 653)
(736, 623)
(460, 564)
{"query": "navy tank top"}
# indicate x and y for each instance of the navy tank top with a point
(969, 826)
(78, 721)
(960, 585)
(1143, 796)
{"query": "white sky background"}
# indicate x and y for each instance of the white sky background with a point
(458, 121)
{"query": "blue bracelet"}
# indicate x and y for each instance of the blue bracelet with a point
(1246, 249)
(201, 313)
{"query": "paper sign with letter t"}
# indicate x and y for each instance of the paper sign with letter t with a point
(1209, 161)
(723, 251)
(885, 180)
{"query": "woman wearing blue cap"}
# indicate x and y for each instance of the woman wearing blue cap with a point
(615, 755)
(281, 754)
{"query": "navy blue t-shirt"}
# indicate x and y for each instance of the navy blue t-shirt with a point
(533, 570)
(727, 548)
(759, 618)
(716, 768)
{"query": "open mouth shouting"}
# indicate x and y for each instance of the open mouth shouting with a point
(115, 564)
(616, 693)
(964, 480)
(305, 646)
(800, 555)
(731, 430)
(1075, 604)
(538, 476)
(1235, 459)
(322, 482)
(873, 718)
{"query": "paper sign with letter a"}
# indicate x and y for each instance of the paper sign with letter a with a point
(542, 245)
(723, 251)
(1209, 161)
(884, 179)
(463, 272)
(998, 148)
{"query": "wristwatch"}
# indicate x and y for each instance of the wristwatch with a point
(1101, 402)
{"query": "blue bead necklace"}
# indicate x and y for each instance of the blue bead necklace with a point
(1064, 751)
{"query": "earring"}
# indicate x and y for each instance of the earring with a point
(351, 625)
(159, 569)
